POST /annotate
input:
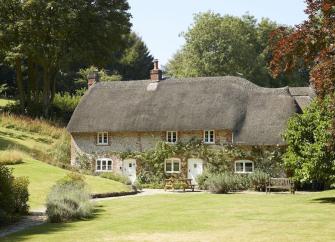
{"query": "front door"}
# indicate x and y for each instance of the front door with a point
(129, 169)
(195, 168)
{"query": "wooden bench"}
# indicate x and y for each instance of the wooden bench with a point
(172, 184)
(280, 183)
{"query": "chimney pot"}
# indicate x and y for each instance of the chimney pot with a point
(156, 73)
(92, 78)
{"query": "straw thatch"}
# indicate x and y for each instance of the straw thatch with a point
(256, 115)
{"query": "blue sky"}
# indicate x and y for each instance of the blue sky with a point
(159, 22)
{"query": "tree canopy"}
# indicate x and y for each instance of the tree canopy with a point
(312, 42)
(48, 33)
(309, 156)
(226, 45)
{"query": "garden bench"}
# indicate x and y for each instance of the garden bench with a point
(280, 183)
(184, 183)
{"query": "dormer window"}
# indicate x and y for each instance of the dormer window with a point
(102, 138)
(171, 137)
(209, 137)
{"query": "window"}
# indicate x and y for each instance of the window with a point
(171, 137)
(209, 137)
(172, 165)
(244, 166)
(104, 164)
(102, 138)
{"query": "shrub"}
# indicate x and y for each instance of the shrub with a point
(155, 185)
(61, 149)
(258, 180)
(310, 153)
(242, 181)
(13, 195)
(69, 199)
(10, 157)
(222, 183)
(138, 186)
(116, 177)
(21, 195)
(201, 180)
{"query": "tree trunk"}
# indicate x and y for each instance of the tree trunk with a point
(46, 90)
(32, 85)
(53, 85)
(19, 82)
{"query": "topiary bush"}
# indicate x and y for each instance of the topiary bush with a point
(116, 177)
(69, 199)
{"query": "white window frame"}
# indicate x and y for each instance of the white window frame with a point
(104, 138)
(172, 160)
(207, 133)
(169, 137)
(243, 162)
(108, 168)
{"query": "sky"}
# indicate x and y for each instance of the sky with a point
(160, 22)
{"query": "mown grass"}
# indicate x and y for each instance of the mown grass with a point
(38, 141)
(43, 176)
(200, 217)
(4, 102)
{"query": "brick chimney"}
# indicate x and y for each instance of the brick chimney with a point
(156, 73)
(92, 78)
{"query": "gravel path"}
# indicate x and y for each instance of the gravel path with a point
(147, 192)
(24, 223)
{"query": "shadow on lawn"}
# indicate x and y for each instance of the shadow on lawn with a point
(325, 200)
(49, 228)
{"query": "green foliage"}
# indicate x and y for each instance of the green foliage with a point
(13, 195)
(21, 195)
(225, 45)
(61, 149)
(48, 35)
(116, 177)
(153, 185)
(258, 180)
(310, 155)
(201, 180)
(223, 182)
(218, 160)
(135, 61)
(69, 199)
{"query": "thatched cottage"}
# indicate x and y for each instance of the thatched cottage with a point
(126, 116)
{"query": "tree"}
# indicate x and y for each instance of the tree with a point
(312, 42)
(47, 33)
(135, 61)
(225, 45)
(309, 156)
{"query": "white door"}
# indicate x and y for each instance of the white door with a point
(195, 168)
(129, 169)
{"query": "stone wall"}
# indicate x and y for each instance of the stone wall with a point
(86, 143)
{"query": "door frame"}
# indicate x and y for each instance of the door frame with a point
(198, 160)
(124, 167)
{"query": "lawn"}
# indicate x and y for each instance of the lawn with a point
(4, 102)
(200, 217)
(41, 175)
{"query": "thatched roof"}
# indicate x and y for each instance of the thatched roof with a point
(256, 115)
(302, 96)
